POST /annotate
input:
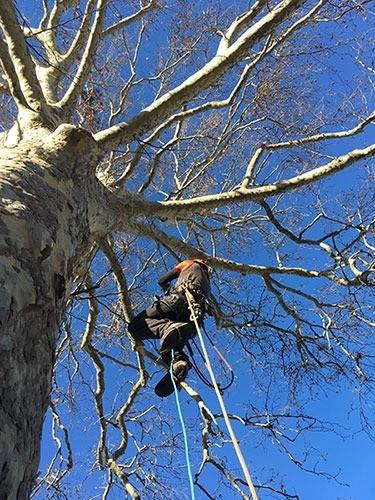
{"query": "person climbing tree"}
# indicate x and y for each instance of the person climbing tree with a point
(169, 318)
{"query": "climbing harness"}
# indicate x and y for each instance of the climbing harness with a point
(234, 440)
(183, 429)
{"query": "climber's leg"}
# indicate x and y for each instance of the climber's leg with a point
(175, 335)
(180, 368)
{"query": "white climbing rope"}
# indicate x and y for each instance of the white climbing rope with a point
(234, 440)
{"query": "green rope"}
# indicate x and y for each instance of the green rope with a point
(183, 430)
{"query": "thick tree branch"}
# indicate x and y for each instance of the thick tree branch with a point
(137, 205)
(267, 49)
(118, 471)
(11, 76)
(125, 303)
(170, 242)
(239, 24)
(86, 62)
(126, 21)
(61, 61)
(23, 65)
(57, 10)
(202, 79)
(300, 142)
(120, 417)
(325, 135)
(143, 375)
(86, 345)
(199, 203)
(45, 16)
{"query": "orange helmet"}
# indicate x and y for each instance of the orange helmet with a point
(181, 266)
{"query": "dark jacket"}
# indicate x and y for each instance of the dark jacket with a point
(189, 273)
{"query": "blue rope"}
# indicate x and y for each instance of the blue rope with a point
(183, 430)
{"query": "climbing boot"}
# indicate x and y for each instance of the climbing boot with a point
(175, 337)
(180, 369)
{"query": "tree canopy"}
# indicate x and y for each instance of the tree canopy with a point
(241, 133)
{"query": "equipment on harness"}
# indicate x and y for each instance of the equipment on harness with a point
(198, 311)
(199, 301)
(175, 300)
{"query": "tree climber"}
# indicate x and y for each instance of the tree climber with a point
(168, 318)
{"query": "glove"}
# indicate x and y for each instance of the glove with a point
(155, 299)
(165, 287)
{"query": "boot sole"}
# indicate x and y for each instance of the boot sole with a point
(165, 386)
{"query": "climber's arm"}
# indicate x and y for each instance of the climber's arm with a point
(164, 280)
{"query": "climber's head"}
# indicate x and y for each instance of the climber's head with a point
(204, 265)
(201, 262)
(187, 263)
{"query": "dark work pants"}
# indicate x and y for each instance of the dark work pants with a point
(153, 322)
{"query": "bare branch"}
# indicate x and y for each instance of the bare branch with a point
(64, 60)
(102, 452)
(238, 25)
(86, 62)
(126, 21)
(202, 79)
(57, 10)
(184, 249)
(125, 303)
(267, 49)
(118, 471)
(325, 135)
(293, 237)
(23, 65)
(46, 14)
(11, 76)
(120, 418)
(299, 142)
(199, 204)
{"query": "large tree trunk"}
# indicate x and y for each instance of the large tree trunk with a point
(46, 186)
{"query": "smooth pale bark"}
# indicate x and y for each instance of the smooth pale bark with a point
(46, 219)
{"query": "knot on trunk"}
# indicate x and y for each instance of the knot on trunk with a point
(74, 141)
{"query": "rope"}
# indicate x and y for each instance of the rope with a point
(221, 402)
(200, 374)
(223, 359)
(196, 368)
(183, 430)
